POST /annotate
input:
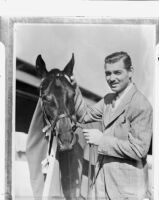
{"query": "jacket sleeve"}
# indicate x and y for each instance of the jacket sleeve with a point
(87, 113)
(139, 134)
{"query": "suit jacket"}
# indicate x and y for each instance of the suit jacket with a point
(127, 133)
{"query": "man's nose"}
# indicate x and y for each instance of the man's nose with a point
(112, 77)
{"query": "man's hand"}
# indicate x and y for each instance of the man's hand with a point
(92, 136)
(73, 81)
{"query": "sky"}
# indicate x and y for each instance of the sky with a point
(90, 43)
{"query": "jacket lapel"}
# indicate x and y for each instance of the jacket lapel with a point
(111, 115)
(107, 115)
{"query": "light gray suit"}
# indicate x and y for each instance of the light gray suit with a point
(127, 133)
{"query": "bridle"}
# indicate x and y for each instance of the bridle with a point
(52, 125)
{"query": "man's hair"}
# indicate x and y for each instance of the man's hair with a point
(115, 57)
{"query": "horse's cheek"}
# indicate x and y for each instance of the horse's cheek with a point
(52, 112)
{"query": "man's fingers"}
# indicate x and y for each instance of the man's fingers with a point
(86, 136)
(85, 130)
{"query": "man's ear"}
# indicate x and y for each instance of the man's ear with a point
(69, 67)
(41, 67)
(131, 71)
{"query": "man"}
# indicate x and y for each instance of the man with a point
(126, 117)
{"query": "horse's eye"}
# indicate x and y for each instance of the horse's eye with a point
(47, 98)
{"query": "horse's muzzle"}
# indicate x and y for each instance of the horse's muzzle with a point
(66, 146)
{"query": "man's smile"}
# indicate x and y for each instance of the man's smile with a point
(113, 84)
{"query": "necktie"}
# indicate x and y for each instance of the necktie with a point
(114, 100)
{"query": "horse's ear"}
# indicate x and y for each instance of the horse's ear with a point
(69, 67)
(41, 67)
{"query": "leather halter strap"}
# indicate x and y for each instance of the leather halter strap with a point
(52, 125)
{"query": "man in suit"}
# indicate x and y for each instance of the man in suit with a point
(126, 117)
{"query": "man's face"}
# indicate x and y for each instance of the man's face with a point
(118, 78)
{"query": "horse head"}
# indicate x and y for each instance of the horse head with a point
(57, 100)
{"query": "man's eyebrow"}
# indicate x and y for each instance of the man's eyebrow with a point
(118, 70)
(108, 73)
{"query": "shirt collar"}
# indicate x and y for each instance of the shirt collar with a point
(119, 98)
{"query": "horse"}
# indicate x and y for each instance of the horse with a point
(57, 100)
(55, 115)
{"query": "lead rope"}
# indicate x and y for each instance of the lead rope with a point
(48, 130)
(89, 170)
(93, 160)
(99, 168)
(46, 161)
(91, 148)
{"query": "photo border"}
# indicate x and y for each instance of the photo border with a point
(7, 37)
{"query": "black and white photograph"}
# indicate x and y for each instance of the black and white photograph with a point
(83, 109)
